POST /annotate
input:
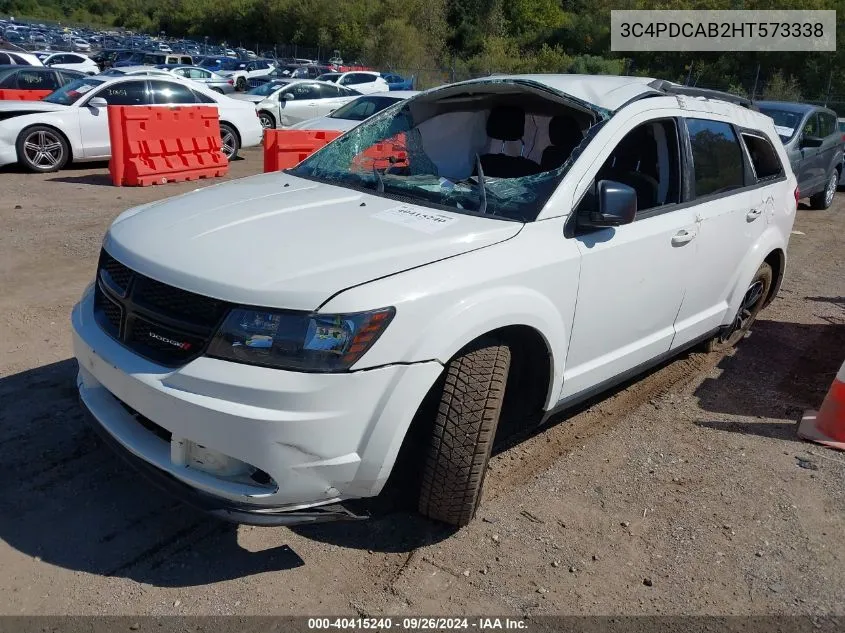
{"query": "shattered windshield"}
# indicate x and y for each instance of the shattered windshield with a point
(434, 160)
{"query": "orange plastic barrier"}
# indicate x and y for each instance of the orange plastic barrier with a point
(287, 148)
(828, 425)
(154, 145)
(23, 95)
(391, 153)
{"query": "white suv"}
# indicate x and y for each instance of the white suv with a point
(499, 248)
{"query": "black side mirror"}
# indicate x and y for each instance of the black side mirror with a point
(616, 205)
(811, 141)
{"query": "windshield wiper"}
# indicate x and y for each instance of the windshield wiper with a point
(482, 189)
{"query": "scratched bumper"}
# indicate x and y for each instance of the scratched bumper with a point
(313, 439)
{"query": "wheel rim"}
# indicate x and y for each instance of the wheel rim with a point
(227, 142)
(43, 149)
(266, 123)
(831, 189)
(747, 310)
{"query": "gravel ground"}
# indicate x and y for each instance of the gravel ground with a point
(686, 492)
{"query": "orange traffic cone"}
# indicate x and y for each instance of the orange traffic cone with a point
(828, 425)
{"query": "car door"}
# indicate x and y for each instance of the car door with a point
(732, 217)
(331, 98)
(633, 277)
(94, 122)
(830, 147)
(810, 178)
(303, 106)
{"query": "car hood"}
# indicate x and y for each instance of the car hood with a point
(279, 241)
(27, 107)
(325, 123)
(245, 97)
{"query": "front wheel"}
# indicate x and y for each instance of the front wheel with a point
(42, 149)
(229, 143)
(464, 429)
(267, 121)
(752, 303)
(824, 199)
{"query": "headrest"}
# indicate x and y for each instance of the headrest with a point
(506, 123)
(565, 131)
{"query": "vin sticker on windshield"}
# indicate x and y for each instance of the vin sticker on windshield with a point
(417, 219)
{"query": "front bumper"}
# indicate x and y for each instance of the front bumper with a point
(316, 439)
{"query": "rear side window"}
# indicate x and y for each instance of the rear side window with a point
(764, 158)
(36, 80)
(5, 59)
(201, 98)
(170, 92)
(125, 93)
(716, 157)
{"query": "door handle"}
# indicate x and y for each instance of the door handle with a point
(683, 237)
(754, 214)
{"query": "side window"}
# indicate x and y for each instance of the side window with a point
(36, 80)
(74, 59)
(716, 157)
(197, 73)
(167, 92)
(125, 93)
(201, 98)
(17, 59)
(811, 127)
(304, 91)
(349, 92)
(68, 76)
(329, 92)
(828, 124)
(366, 79)
(186, 60)
(764, 158)
(10, 81)
(5, 59)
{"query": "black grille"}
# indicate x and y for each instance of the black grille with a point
(117, 272)
(168, 325)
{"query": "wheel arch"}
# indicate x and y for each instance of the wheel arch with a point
(777, 260)
(234, 129)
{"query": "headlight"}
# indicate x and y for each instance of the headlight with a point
(298, 340)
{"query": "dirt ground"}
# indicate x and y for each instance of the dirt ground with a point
(687, 492)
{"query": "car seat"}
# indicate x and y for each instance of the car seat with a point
(507, 123)
(565, 135)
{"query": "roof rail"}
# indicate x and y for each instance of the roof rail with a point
(669, 88)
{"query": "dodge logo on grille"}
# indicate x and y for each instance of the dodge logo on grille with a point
(170, 341)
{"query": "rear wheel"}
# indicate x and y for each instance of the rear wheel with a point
(240, 84)
(229, 143)
(42, 149)
(464, 428)
(824, 199)
(218, 91)
(752, 303)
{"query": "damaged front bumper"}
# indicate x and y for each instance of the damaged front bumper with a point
(249, 444)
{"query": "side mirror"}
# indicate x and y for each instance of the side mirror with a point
(811, 141)
(288, 96)
(98, 102)
(617, 205)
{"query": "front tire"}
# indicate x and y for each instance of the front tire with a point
(752, 303)
(229, 143)
(823, 199)
(268, 122)
(42, 149)
(464, 429)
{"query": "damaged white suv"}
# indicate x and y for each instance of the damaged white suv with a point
(498, 248)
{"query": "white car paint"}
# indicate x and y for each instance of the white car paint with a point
(19, 58)
(72, 61)
(364, 81)
(86, 127)
(253, 68)
(308, 101)
(604, 303)
(336, 122)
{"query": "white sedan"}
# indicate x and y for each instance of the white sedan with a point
(348, 116)
(72, 122)
(72, 61)
(284, 103)
(364, 81)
